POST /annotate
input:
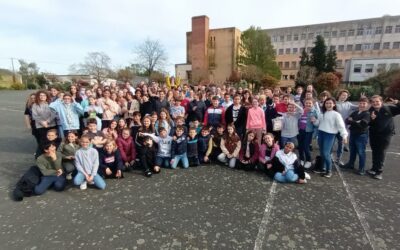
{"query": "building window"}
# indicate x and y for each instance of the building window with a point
(341, 48)
(388, 29)
(333, 47)
(287, 65)
(284, 77)
(342, 33)
(292, 77)
(280, 64)
(294, 65)
(302, 49)
(339, 63)
(369, 31)
(274, 38)
(369, 68)
(295, 37)
(281, 38)
(396, 45)
(386, 45)
(394, 66)
(280, 52)
(357, 68)
(378, 30)
(289, 38)
(327, 34)
(360, 32)
(350, 33)
(381, 67)
(366, 46)
(358, 47)
(295, 50)
(349, 47)
(334, 33)
(397, 29)
(310, 35)
(377, 46)
(287, 51)
(303, 36)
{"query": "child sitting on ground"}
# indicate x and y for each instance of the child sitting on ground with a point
(110, 162)
(126, 147)
(87, 164)
(148, 157)
(267, 153)
(97, 138)
(68, 149)
(230, 146)
(248, 152)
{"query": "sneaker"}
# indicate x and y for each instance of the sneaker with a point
(319, 171)
(378, 176)
(302, 181)
(346, 166)
(328, 175)
(148, 173)
(83, 186)
(307, 165)
(361, 172)
(371, 172)
(69, 176)
(307, 176)
(302, 163)
(339, 163)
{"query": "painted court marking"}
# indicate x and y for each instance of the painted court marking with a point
(360, 214)
(263, 225)
(14, 110)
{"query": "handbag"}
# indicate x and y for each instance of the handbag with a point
(277, 124)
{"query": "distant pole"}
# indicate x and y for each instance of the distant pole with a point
(12, 63)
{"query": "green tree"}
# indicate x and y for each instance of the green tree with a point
(28, 71)
(304, 58)
(331, 61)
(256, 49)
(383, 80)
(318, 55)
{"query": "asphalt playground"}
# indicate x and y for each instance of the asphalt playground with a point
(208, 207)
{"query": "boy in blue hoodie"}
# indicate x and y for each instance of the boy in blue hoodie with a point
(179, 148)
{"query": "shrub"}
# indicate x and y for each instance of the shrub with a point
(32, 86)
(17, 86)
(356, 91)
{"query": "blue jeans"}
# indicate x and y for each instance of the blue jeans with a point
(97, 179)
(58, 183)
(183, 158)
(163, 161)
(284, 140)
(339, 151)
(290, 176)
(325, 143)
(358, 144)
(304, 138)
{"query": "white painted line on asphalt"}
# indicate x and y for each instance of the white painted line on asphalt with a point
(262, 229)
(360, 214)
(395, 153)
(14, 110)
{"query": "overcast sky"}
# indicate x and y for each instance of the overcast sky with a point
(56, 34)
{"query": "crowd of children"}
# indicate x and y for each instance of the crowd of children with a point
(86, 135)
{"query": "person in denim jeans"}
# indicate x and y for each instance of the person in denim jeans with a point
(287, 166)
(179, 149)
(358, 121)
(330, 123)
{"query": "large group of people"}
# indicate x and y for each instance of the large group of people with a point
(90, 133)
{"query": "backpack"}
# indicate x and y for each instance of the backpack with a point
(318, 164)
(26, 185)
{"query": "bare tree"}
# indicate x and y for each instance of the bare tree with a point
(151, 55)
(96, 63)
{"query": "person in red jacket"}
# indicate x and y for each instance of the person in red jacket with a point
(127, 148)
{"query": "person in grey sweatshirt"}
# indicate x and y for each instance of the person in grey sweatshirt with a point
(87, 164)
(164, 142)
(290, 121)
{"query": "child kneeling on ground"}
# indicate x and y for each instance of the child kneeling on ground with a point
(287, 166)
(87, 164)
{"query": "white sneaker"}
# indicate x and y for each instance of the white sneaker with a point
(307, 165)
(83, 186)
(69, 177)
(302, 163)
(308, 177)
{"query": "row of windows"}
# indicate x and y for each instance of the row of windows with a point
(369, 68)
(287, 65)
(287, 77)
(340, 33)
(341, 48)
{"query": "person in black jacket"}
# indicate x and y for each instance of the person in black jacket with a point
(148, 157)
(146, 107)
(192, 152)
(237, 114)
(358, 121)
(110, 161)
(197, 108)
(381, 130)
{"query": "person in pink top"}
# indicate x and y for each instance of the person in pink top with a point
(256, 120)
